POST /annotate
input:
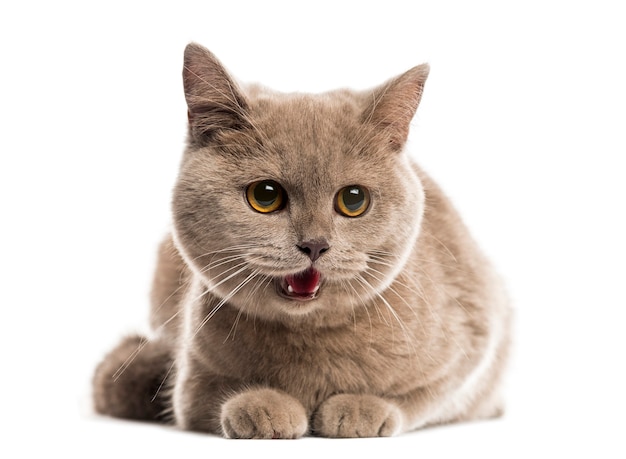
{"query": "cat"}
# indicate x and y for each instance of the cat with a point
(316, 281)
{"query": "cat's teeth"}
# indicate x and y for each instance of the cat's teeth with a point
(289, 288)
(317, 287)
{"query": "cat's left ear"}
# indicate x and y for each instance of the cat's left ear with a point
(214, 100)
(394, 104)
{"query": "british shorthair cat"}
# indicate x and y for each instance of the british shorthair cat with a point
(316, 280)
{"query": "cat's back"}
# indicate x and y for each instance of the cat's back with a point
(468, 301)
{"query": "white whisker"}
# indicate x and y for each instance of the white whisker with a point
(224, 300)
(221, 262)
(367, 286)
(249, 297)
(169, 370)
(392, 311)
(365, 308)
(142, 343)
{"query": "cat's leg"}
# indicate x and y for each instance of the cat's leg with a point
(352, 415)
(356, 415)
(207, 403)
(129, 382)
(263, 413)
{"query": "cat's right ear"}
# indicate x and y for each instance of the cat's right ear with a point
(214, 102)
(393, 105)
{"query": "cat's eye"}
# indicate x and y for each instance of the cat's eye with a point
(266, 196)
(352, 201)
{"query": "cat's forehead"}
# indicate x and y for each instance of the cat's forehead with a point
(312, 138)
(308, 123)
(307, 119)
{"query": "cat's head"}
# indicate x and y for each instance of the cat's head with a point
(296, 206)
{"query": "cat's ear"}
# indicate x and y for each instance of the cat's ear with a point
(214, 102)
(392, 106)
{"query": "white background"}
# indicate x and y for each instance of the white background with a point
(522, 123)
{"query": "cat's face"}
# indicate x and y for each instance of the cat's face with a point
(293, 205)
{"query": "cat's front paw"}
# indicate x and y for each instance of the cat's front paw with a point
(348, 415)
(263, 413)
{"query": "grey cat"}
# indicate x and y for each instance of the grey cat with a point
(316, 280)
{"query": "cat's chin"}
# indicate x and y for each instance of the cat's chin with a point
(282, 291)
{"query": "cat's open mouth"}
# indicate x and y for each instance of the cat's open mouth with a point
(302, 286)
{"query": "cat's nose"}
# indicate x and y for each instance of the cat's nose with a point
(314, 249)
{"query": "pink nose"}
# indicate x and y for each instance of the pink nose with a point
(314, 249)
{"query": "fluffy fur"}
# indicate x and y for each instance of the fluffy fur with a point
(409, 327)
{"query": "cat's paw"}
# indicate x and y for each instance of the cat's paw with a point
(263, 413)
(348, 415)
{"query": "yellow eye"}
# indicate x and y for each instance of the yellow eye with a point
(266, 196)
(352, 201)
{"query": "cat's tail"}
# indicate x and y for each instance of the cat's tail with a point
(132, 380)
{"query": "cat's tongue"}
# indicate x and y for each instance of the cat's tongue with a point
(305, 283)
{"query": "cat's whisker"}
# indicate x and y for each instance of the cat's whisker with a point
(242, 267)
(373, 255)
(370, 287)
(222, 261)
(381, 256)
(234, 248)
(410, 307)
(209, 290)
(129, 360)
(261, 279)
(365, 308)
(380, 259)
(169, 297)
(223, 301)
(344, 286)
(416, 289)
(443, 265)
(397, 280)
(395, 315)
(167, 374)
(233, 328)
(386, 253)
(369, 270)
(206, 319)
(419, 292)
(380, 262)
(239, 251)
(446, 249)
(144, 341)
(367, 287)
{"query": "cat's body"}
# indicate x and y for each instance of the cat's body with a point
(317, 280)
